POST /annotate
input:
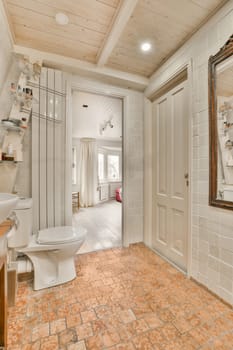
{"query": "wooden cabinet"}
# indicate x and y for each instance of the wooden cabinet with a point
(3, 302)
(4, 228)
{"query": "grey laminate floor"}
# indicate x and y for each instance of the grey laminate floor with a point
(103, 224)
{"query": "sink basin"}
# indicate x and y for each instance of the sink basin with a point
(7, 204)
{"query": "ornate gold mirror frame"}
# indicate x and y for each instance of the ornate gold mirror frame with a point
(221, 127)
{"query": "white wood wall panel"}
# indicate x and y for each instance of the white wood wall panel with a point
(5, 50)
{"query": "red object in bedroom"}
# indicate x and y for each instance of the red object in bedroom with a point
(118, 195)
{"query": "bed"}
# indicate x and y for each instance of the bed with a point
(118, 194)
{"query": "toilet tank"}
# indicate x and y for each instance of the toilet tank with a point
(20, 235)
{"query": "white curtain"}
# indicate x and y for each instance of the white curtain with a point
(87, 172)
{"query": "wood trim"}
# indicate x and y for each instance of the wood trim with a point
(11, 286)
(170, 84)
(3, 305)
(25, 276)
(5, 226)
(225, 52)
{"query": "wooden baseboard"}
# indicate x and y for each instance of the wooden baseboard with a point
(25, 276)
(11, 286)
(3, 304)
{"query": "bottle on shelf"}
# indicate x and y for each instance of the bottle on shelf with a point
(24, 123)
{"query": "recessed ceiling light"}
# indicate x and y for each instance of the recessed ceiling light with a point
(145, 46)
(62, 19)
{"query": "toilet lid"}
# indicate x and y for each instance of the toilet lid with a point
(62, 234)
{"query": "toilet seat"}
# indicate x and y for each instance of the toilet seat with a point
(76, 235)
(60, 235)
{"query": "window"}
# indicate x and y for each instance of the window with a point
(101, 166)
(109, 166)
(113, 167)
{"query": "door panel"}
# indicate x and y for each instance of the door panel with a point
(160, 173)
(177, 242)
(179, 142)
(162, 146)
(162, 224)
(170, 165)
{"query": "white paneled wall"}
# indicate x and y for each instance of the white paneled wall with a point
(211, 248)
(5, 50)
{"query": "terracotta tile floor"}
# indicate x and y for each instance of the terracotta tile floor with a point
(122, 299)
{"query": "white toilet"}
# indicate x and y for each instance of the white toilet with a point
(51, 251)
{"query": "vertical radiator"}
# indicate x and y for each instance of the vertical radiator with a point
(104, 192)
(48, 150)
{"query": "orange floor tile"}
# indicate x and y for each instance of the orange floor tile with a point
(122, 299)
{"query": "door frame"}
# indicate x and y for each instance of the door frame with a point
(184, 72)
(101, 90)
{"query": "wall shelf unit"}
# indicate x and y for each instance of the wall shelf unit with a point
(12, 132)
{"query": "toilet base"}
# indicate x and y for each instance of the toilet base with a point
(51, 268)
(53, 260)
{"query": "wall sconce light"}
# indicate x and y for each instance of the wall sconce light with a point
(103, 126)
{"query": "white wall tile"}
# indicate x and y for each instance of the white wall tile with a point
(226, 283)
(212, 228)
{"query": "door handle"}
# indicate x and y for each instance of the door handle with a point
(186, 176)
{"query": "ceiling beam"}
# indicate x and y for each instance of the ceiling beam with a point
(125, 11)
(87, 69)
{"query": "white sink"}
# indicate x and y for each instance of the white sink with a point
(7, 204)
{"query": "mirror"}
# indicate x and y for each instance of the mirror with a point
(221, 127)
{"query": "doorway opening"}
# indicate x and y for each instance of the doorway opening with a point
(97, 168)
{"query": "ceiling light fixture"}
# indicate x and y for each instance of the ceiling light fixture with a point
(62, 19)
(145, 46)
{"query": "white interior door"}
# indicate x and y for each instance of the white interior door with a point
(170, 175)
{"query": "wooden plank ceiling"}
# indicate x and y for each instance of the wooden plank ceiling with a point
(34, 26)
(165, 23)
